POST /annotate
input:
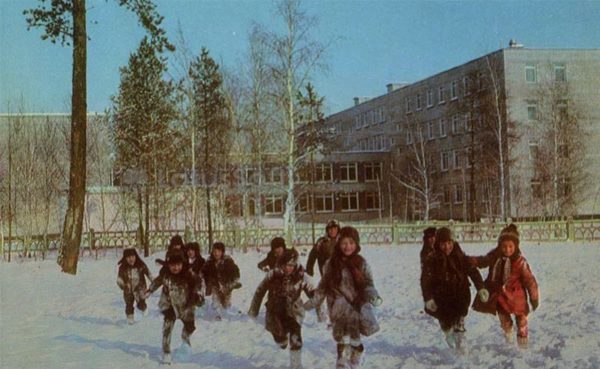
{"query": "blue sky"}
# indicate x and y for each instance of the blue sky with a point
(377, 42)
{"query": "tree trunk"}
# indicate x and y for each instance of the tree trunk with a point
(147, 222)
(73, 223)
(206, 166)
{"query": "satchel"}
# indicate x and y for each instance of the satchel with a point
(368, 323)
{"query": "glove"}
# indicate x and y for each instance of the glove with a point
(472, 260)
(200, 301)
(535, 304)
(252, 313)
(484, 295)
(431, 305)
(376, 301)
(236, 285)
(145, 294)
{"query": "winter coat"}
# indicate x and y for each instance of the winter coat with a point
(283, 299)
(507, 293)
(321, 252)
(220, 275)
(445, 279)
(426, 253)
(178, 292)
(132, 279)
(268, 263)
(347, 305)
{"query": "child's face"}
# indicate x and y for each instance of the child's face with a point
(175, 268)
(130, 259)
(217, 254)
(508, 248)
(447, 247)
(191, 253)
(278, 251)
(348, 246)
(288, 268)
(332, 232)
(429, 241)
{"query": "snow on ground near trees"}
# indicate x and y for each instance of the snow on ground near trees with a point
(52, 320)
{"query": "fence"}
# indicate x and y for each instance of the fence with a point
(381, 234)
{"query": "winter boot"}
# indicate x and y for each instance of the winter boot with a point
(295, 359)
(357, 354)
(145, 312)
(523, 342)
(166, 358)
(450, 338)
(341, 357)
(130, 319)
(508, 336)
(461, 343)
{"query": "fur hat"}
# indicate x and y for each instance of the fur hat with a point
(351, 232)
(176, 241)
(332, 223)
(193, 246)
(429, 232)
(510, 232)
(176, 258)
(277, 242)
(290, 256)
(218, 246)
(443, 234)
(130, 251)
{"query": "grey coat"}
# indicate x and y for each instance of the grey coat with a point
(346, 312)
(178, 292)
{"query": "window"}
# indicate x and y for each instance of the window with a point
(409, 138)
(466, 90)
(481, 81)
(372, 201)
(456, 159)
(563, 151)
(274, 175)
(468, 122)
(430, 130)
(458, 194)
(365, 119)
(303, 205)
(563, 111)
(418, 101)
(441, 95)
(323, 173)
(447, 195)
(536, 189)
(469, 194)
(251, 206)
(429, 98)
(530, 73)
(357, 124)
(532, 110)
(468, 157)
(443, 127)
(348, 172)
(251, 176)
(560, 73)
(324, 203)
(455, 124)
(564, 186)
(534, 150)
(407, 103)
(349, 201)
(274, 205)
(372, 171)
(445, 161)
(454, 90)
(381, 115)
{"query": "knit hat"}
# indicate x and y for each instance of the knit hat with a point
(332, 223)
(429, 232)
(277, 242)
(510, 232)
(176, 240)
(218, 246)
(351, 232)
(443, 235)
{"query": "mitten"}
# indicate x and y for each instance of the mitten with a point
(472, 260)
(236, 285)
(308, 305)
(431, 305)
(376, 301)
(535, 304)
(484, 295)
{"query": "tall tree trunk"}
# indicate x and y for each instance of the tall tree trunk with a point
(10, 214)
(73, 223)
(147, 222)
(206, 165)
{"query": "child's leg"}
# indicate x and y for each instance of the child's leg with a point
(189, 327)
(356, 351)
(141, 303)
(129, 298)
(168, 323)
(522, 331)
(506, 323)
(341, 349)
(295, 330)
(226, 299)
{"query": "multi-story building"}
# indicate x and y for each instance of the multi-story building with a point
(441, 137)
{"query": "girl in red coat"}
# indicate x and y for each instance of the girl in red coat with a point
(510, 281)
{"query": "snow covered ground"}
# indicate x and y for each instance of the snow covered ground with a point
(52, 320)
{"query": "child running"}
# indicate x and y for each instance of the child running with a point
(273, 257)
(221, 276)
(510, 280)
(131, 278)
(347, 283)
(285, 311)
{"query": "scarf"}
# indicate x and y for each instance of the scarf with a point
(502, 269)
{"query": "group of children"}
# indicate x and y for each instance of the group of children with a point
(346, 285)
(445, 274)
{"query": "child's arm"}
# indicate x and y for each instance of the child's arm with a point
(474, 274)
(530, 284)
(157, 282)
(312, 258)
(147, 273)
(370, 293)
(427, 282)
(121, 278)
(485, 260)
(308, 287)
(261, 290)
(264, 264)
(320, 292)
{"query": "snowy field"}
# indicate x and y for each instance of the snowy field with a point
(52, 320)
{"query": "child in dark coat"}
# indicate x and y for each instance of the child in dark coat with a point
(510, 280)
(177, 301)
(445, 287)
(273, 257)
(131, 278)
(222, 277)
(323, 249)
(347, 283)
(285, 311)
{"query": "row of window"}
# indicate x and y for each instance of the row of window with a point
(323, 173)
(367, 118)
(443, 94)
(457, 159)
(323, 203)
(438, 128)
(457, 193)
(561, 108)
(375, 143)
(531, 72)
